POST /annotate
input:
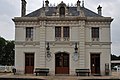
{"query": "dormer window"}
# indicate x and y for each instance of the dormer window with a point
(62, 11)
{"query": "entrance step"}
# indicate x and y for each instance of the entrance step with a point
(61, 74)
(97, 75)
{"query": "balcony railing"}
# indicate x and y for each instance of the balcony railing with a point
(95, 39)
(61, 38)
(29, 39)
(57, 38)
(66, 39)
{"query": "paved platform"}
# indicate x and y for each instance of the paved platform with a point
(114, 76)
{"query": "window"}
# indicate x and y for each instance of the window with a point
(62, 11)
(62, 33)
(95, 33)
(57, 31)
(29, 32)
(65, 31)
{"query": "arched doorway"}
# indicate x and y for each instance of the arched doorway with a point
(62, 63)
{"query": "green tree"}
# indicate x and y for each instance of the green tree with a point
(9, 53)
(2, 47)
(114, 57)
(6, 52)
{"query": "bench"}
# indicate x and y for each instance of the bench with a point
(78, 71)
(41, 71)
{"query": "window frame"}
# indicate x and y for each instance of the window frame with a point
(57, 31)
(95, 32)
(29, 33)
(64, 33)
(62, 11)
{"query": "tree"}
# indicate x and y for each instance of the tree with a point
(2, 46)
(114, 57)
(6, 52)
(9, 53)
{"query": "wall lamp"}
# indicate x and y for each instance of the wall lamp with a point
(75, 54)
(48, 50)
(76, 48)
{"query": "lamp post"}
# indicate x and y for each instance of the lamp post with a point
(75, 54)
(76, 49)
(48, 53)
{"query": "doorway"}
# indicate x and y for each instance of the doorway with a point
(95, 64)
(29, 63)
(62, 63)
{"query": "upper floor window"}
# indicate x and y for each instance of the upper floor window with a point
(65, 31)
(29, 32)
(62, 11)
(57, 31)
(62, 33)
(95, 33)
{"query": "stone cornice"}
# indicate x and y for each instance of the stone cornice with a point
(99, 19)
(34, 43)
(25, 19)
(24, 26)
(97, 23)
(34, 19)
(61, 23)
(63, 42)
(27, 43)
(98, 43)
(75, 18)
(69, 18)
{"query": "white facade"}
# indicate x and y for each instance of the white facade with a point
(80, 34)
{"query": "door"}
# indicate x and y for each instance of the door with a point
(62, 63)
(95, 63)
(29, 63)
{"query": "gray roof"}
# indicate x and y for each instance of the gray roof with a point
(72, 10)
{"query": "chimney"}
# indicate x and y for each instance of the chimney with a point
(78, 5)
(46, 5)
(23, 10)
(83, 3)
(99, 10)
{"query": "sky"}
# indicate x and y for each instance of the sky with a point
(12, 8)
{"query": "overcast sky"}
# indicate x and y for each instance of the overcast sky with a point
(12, 8)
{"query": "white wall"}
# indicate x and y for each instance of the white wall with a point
(105, 35)
(74, 33)
(20, 57)
(62, 48)
(75, 36)
(104, 52)
(20, 34)
(50, 33)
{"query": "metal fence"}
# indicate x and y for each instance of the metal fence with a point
(6, 68)
(118, 69)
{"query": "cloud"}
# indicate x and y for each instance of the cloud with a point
(8, 10)
(116, 48)
(8, 7)
(33, 5)
(6, 27)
